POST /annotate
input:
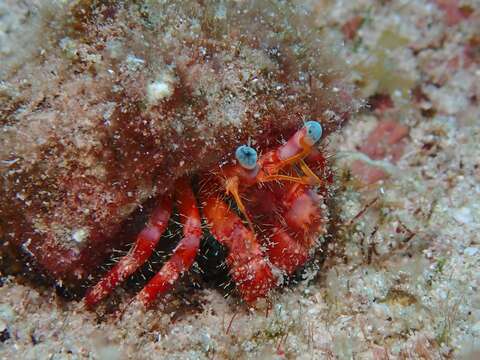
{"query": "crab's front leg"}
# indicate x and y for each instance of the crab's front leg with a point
(249, 270)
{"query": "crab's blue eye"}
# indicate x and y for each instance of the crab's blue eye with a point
(246, 156)
(314, 132)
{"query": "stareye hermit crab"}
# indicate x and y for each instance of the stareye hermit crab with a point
(114, 105)
(289, 215)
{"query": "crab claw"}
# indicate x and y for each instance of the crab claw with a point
(290, 218)
(249, 270)
(285, 252)
(290, 245)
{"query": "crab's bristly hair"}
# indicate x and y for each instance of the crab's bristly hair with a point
(185, 252)
(249, 270)
(141, 251)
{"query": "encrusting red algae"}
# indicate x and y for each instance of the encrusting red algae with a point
(111, 102)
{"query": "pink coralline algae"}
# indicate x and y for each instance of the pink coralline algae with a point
(386, 142)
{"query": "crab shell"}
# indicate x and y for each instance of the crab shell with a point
(124, 100)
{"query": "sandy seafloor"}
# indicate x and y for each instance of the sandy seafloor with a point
(402, 279)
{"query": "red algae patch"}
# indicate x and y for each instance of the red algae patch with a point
(455, 12)
(386, 142)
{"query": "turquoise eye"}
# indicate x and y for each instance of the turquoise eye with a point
(246, 156)
(314, 132)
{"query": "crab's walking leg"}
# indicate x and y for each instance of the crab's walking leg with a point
(144, 245)
(184, 254)
(249, 270)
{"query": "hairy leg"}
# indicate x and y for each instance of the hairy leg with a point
(184, 253)
(141, 251)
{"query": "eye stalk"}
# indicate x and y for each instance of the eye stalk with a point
(313, 133)
(246, 156)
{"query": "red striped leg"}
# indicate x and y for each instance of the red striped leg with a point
(141, 251)
(184, 254)
(249, 270)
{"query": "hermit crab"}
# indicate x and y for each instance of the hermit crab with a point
(120, 104)
(290, 212)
